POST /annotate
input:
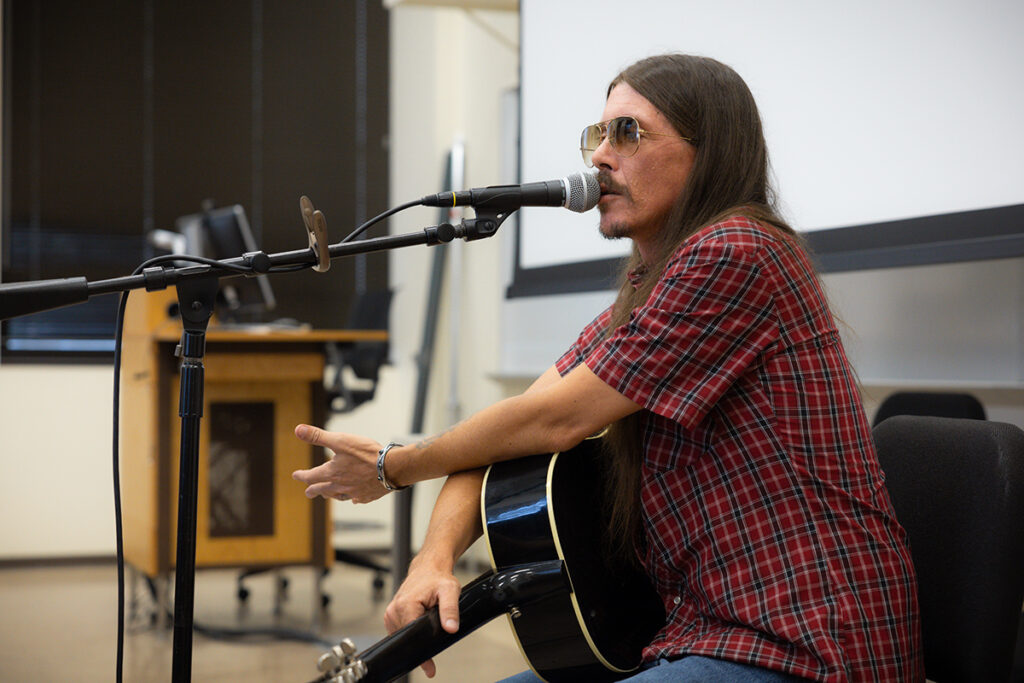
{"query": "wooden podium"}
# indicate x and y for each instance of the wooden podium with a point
(260, 383)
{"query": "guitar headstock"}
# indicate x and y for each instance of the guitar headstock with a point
(340, 664)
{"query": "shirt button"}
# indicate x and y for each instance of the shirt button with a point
(676, 600)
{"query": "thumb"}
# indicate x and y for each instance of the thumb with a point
(448, 607)
(309, 434)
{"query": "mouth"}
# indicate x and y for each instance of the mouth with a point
(608, 193)
(608, 186)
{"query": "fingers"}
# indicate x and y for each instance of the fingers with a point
(448, 606)
(351, 474)
(324, 489)
(398, 615)
(421, 590)
(318, 482)
(314, 436)
(429, 668)
(313, 474)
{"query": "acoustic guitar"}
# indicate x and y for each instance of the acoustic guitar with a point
(576, 615)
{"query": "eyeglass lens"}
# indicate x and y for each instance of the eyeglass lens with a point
(623, 134)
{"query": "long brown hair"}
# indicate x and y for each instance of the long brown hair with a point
(705, 100)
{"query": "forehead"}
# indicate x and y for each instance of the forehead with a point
(624, 101)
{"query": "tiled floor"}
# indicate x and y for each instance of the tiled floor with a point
(59, 623)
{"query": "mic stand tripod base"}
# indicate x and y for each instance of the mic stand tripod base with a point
(195, 300)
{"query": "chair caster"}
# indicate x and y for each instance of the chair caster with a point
(378, 588)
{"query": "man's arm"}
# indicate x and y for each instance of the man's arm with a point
(454, 525)
(554, 415)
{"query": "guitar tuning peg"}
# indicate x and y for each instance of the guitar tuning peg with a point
(354, 672)
(330, 660)
(348, 647)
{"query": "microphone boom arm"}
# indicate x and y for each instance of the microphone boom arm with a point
(24, 298)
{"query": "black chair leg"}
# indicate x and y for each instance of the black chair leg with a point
(366, 562)
(243, 592)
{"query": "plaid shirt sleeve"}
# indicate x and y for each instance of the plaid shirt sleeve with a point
(588, 338)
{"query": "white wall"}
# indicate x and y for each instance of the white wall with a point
(56, 471)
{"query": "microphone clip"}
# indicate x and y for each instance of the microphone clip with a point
(485, 224)
(316, 229)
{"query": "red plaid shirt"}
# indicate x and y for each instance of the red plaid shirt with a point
(769, 532)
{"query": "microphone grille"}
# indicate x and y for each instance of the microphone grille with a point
(582, 191)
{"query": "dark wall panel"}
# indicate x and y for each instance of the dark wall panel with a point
(124, 115)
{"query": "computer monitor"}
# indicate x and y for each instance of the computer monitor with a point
(222, 233)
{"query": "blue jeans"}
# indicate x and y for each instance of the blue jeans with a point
(692, 668)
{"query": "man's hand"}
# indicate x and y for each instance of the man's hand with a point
(350, 475)
(422, 589)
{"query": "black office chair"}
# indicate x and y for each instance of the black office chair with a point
(363, 360)
(939, 404)
(958, 489)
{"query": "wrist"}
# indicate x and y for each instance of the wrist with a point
(437, 561)
(383, 471)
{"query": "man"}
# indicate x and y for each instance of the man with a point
(746, 479)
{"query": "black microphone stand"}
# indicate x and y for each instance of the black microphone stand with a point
(197, 287)
(195, 301)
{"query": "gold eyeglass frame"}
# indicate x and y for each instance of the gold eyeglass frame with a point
(603, 126)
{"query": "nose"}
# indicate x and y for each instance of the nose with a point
(604, 156)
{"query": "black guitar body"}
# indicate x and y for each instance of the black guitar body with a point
(551, 507)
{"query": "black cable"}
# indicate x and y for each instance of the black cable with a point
(271, 632)
(376, 219)
(228, 633)
(117, 486)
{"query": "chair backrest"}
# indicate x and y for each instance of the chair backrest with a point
(958, 489)
(939, 404)
(370, 311)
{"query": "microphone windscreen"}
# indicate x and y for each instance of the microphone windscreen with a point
(582, 191)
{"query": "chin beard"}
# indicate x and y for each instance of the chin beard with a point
(615, 231)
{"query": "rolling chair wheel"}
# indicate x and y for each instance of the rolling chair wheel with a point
(378, 588)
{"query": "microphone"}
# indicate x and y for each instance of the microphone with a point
(577, 192)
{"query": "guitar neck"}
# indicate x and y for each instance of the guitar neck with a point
(487, 597)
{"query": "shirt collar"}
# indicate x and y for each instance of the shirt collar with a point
(636, 276)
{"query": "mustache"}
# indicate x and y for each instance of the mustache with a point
(609, 186)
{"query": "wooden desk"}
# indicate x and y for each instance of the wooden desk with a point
(260, 383)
